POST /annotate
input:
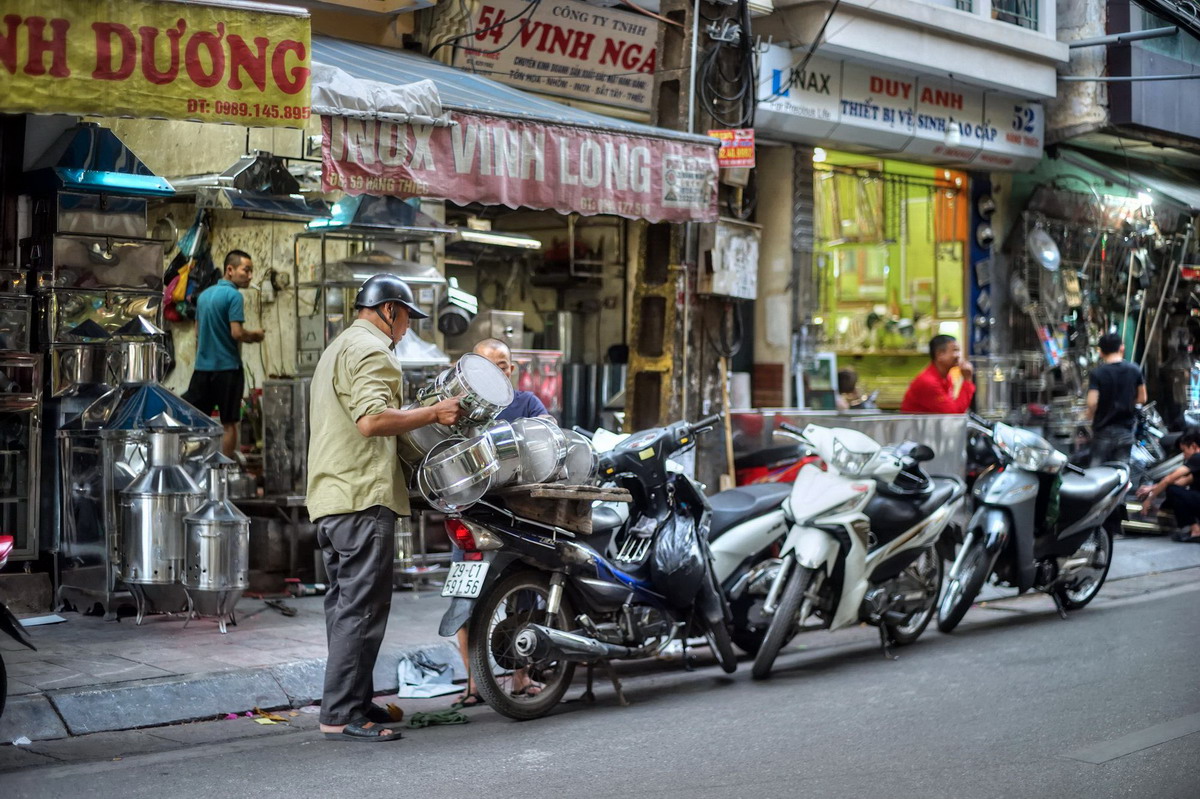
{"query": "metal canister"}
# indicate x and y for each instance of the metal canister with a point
(152, 511)
(217, 547)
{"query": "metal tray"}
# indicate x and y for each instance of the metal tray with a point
(14, 323)
(94, 262)
(97, 214)
(90, 316)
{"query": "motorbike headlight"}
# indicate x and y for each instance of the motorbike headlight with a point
(1028, 450)
(847, 461)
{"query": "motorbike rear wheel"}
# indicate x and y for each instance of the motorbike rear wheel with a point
(1083, 590)
(515, 601)
(962, 590)
(783, 623)
(925, 571)
(3, 685)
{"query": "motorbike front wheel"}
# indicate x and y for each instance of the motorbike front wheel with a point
(783, 623)
(717, 635)
(963, 588)
(501, 675)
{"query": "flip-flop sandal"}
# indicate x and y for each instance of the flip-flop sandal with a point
(364, 731)
(468, 700)
(531, 690)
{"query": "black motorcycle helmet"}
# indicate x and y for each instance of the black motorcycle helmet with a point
(378, 289)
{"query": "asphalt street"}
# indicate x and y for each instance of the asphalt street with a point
(1017, 703)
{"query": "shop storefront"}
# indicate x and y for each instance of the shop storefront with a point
(895, 261)
(82, 284)
(548, 204)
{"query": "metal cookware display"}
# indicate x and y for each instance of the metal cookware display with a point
(483, 388)
(457, 473)
(543, 449)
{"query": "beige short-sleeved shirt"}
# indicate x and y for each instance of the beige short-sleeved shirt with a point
(347, 472)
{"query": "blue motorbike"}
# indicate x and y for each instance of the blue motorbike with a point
(539, 600)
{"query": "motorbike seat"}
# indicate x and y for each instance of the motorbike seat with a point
(768, 457)
(731, 508)
(605, 520)
(893, 514)
(1084, 490)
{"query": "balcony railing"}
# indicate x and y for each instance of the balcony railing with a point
(1022, 13)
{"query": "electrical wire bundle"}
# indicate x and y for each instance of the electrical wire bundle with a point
(729, 62)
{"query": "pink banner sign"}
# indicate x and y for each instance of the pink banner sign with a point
(497, 161)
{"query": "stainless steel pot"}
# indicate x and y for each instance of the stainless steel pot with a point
(456, 474)
(507, 444)
(581, 463)
(543, 449)
(483, 389)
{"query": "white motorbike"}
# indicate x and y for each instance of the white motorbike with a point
(865, 524)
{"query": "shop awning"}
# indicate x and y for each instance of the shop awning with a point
(508, 147)
(209, 61)
(1136, 175)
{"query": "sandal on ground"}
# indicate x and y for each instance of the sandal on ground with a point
(472, 699)
(531, 690)
(364, 731)
(381, 715)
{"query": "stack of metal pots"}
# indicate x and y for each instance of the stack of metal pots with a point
(217, 550)
(152, 511)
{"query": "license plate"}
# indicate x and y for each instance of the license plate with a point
(466, 579)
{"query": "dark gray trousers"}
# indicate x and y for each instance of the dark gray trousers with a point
(1111, 444)
(358, 549)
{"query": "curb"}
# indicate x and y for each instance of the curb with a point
(170, 700)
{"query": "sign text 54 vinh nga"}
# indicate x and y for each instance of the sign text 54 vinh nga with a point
(143, 58)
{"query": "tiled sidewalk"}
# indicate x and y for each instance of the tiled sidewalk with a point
(87, 671)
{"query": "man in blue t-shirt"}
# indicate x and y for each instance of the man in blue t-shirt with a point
(525, 403)
(218, 381)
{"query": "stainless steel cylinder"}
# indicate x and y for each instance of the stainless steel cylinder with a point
(152, 511)
(217, 541)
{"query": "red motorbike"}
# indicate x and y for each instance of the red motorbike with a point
(779, 463)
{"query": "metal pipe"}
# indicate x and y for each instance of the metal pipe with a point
(1128, 78)
(1122, 38)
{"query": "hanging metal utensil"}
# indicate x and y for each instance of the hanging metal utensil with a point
(1043, 249)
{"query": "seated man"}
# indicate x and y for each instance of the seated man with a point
(1182, 487)
(932, 391)
(525, 404)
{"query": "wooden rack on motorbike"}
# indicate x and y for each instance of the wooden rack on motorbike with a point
(565, 506)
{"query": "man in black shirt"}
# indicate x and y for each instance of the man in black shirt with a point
(1182, 487)
(1115, 389)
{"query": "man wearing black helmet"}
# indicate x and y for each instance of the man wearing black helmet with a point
(356, 489)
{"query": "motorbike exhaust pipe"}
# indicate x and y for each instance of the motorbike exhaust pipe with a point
(537, 642)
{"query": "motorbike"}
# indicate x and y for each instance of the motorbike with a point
(1040, 522)
(8, 623)
(863, 544)
(746, 529)
(539, 601)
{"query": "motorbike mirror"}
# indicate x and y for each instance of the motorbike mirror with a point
(921, 453)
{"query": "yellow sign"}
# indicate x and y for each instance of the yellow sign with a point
(168, 60)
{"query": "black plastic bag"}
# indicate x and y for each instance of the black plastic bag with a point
(678, 563)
